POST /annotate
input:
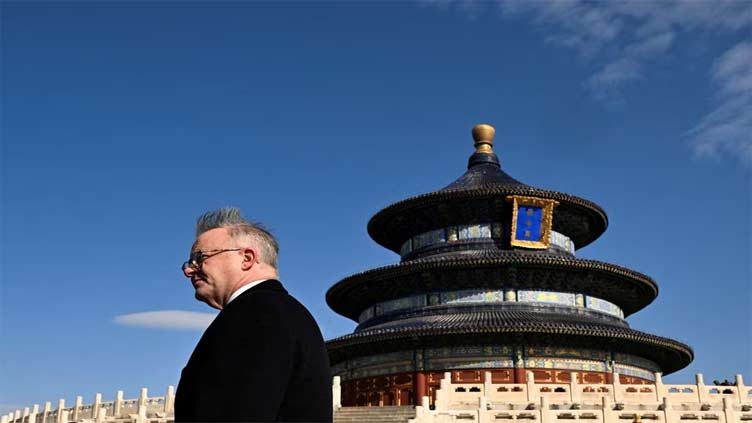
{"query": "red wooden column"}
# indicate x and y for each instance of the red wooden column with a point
(420, 388)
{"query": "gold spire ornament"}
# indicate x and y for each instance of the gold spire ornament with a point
(483, 136)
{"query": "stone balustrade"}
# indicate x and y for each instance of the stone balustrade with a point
(143, 409)
(605, 403)
(475, 402)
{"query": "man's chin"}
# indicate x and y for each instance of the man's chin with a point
(201, 296)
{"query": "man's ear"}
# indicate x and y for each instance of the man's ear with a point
(249, 258)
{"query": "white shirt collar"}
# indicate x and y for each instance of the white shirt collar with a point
(244, 288)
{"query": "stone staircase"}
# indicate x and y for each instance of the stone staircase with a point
(388, 414)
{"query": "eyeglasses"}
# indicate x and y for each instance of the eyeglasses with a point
(197, 258)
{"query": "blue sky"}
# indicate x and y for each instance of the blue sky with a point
(122, 122)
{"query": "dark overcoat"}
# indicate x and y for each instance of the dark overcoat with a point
(262, 359)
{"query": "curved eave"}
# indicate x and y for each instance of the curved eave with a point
(669, 354)
(628, 289)
(519, 311)
(385, 227)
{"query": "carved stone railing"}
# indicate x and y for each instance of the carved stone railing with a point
(476, 402)
(143, 409)
(606, 403)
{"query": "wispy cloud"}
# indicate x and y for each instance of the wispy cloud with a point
(606, 83)
(728, 128)
(167, 319)
(620, 39)
(575, 24)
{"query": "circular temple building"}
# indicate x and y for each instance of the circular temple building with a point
(489, 281)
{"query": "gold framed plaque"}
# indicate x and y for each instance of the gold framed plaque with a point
(532, 220)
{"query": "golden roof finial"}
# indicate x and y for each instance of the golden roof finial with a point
(483, 135)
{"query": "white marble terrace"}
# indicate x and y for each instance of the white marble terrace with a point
(476, 402)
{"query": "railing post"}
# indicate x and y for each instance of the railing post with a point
(169, 399)
(142, 397)
(575, 392)
(606, 409)
(545, 412)
(141, 405)
(616, 387)
(443, 394)
(77, 408)
(420, 415)
(728, 410)
(95, 406)
(46, 412)
(487, 385)
(33, 415)
(141, 416)
(482, 410)
(660, 390)
(425, 402)
(531, 395)
(336, 393)
(668, 411)
(741, 390)
(118, 405)
(701, 394)
(60, 409)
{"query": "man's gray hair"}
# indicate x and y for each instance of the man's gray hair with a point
(240, 228)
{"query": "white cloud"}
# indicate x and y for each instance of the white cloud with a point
(651, 45)
(621, 36)
(620, 39)
(606, 82)
(733, 70)
(167, 319)
(728, 128)
(578, 25)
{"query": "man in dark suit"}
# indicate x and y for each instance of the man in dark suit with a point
(263, 357)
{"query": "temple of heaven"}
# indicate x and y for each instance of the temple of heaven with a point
(488, 281)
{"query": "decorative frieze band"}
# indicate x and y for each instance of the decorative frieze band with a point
(493, 230)
(486, 296)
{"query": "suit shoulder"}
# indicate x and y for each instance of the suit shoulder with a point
(272, 304)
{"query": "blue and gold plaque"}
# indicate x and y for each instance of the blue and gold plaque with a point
(532, 219)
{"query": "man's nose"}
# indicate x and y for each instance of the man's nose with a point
(188, 271)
